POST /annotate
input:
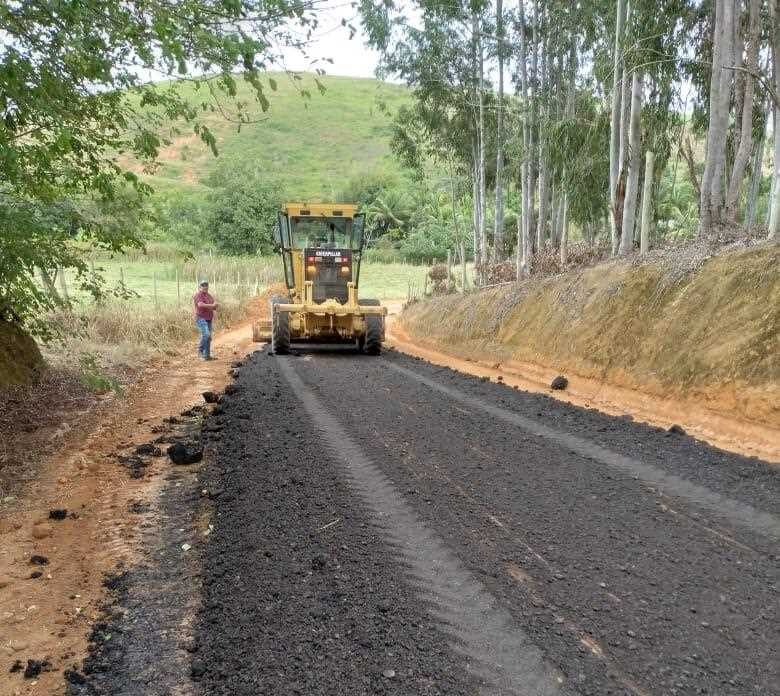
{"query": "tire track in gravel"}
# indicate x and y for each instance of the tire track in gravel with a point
(300, 593)
(737, 512)
(503, 654)
(620, 592)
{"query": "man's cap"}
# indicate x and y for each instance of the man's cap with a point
(203, 282)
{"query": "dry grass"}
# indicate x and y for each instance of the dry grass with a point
(122, 336)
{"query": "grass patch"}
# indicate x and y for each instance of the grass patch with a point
(231, 278)
(390, 281)
(311, 146)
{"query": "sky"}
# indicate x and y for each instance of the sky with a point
(331, 41)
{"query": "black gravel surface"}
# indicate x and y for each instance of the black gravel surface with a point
(625, 589)
(301, 593)
(598, 582)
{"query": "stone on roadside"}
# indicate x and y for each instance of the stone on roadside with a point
(181, 454)
(210, 397)
(41, 531)
(560, 382)
(35, 667)
(58, 514)
(73, 676)
(148, 449)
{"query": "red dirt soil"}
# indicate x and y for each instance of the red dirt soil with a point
(48, 617)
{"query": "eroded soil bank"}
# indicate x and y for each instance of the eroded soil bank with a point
(693, 341)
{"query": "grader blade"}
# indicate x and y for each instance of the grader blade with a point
(261, 331)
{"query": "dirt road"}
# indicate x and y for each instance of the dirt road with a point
(385, 526)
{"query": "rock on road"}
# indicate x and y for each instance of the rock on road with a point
(385, 526)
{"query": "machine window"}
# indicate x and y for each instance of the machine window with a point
(322, 233)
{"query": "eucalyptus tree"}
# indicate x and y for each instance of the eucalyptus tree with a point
(522, 252)
(634, 162)
(719, 101)
(774, 34)
(745, 129)
(616, 121)
(440, 54)
(498, 229)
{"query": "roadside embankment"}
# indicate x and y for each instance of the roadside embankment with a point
(679, 337)
(20, 359)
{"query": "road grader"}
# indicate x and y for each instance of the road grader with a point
(321, 246)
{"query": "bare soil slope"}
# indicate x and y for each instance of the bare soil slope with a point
(698, 331)
(20, 359)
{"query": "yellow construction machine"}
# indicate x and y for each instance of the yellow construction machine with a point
(321, 247)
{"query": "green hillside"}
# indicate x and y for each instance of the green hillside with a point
(310, 145)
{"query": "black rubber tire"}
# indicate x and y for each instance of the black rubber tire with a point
(372, 345)
(280, 333)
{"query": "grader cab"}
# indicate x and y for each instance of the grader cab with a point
(321, 247)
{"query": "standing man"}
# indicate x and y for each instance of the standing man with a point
(204, 313)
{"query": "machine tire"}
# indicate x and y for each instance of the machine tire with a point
(373, 338)
(373, 344)
(280, 333)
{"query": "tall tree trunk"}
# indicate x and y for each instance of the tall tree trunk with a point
(614, 136)
(533, 166)
(523, 227)
(774, 202)
(554, 207)
(625, 125)
(482, 183)
(746, 128)
(459, 237)
(542, 218)
(543, 179)
(755, 175)
(634, 163)
(720, 98)
(476, 205)
(498, 228)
